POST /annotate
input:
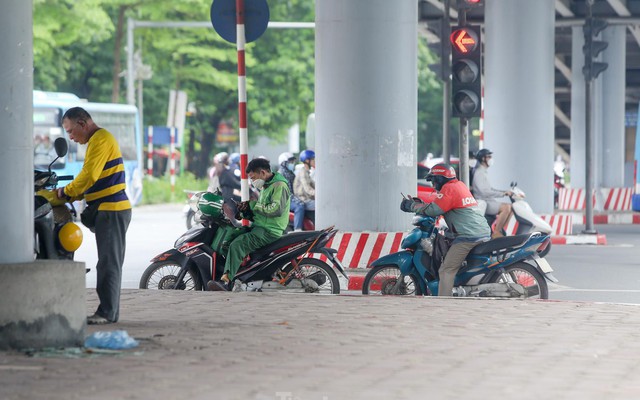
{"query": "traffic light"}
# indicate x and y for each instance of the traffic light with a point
(593, 47)
(466, 71)
(469, 3)
(440, 48)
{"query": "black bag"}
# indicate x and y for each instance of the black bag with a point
(441, 244)
(88, 216)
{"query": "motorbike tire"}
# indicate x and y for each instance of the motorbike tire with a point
(323, 271)
(191, 215)
(163, 275)
(522, 273)
(371, 281)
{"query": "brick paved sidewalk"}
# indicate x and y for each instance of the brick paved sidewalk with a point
(262, 346)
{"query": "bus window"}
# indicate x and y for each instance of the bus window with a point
(46, 130)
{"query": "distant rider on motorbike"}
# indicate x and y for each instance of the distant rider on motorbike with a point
(270, 216)
(453, 200)
(482, 190)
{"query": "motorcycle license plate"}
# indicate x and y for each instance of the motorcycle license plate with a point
(544, 265)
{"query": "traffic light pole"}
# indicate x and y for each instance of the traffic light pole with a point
(464, 150)
(446, 87)
(588, 88)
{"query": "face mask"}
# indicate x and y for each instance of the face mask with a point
(490, 162)
(312, 172)
(258, 183)
(290, 166)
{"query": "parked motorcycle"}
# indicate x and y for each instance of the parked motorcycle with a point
(528, 220)
(509, 267)
(198, 256)
(56, 235)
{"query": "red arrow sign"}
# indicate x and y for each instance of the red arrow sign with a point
(464, 40)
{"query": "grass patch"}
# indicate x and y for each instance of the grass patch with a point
(158, 190)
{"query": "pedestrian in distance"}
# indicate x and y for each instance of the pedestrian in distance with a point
(482, 190)
(304, 186)
(101, 182)
(287, 163)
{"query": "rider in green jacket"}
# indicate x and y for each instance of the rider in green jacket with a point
(270, 215)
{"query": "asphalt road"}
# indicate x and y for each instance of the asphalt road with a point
(602, 273)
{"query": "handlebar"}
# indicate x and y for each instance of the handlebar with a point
(65, 177)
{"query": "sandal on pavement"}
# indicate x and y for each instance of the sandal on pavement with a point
(217, 286)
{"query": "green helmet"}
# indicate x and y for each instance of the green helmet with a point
(210, 204)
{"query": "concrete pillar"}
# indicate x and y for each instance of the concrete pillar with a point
(16, 119)
(613, 107)
(578, 127)
(366, 112)
(519, 96)
(43, 302)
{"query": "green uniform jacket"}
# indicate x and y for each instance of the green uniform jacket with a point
(271, 211)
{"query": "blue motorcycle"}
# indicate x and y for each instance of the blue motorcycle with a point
(504, 267)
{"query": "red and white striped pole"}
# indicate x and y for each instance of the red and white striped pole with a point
(242, 102)
(172, 165)
(150, 151)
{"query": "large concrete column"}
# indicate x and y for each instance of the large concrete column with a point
(16, 119)
(43, 302)
(366, 112)
(613, 107)
(519, 96)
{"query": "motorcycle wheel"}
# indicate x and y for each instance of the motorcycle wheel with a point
(527, 276)
(318, 271)
(380, 280)
(191, 215)
(164, 275)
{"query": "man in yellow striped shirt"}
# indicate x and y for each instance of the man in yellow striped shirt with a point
(101, 182)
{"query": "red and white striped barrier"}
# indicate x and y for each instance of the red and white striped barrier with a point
(561, 224)
(614, 199)
(359, 249)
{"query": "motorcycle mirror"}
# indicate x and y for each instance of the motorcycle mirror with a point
(514, 184)
(60, 144)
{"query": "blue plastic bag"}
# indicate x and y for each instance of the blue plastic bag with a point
(114, 340)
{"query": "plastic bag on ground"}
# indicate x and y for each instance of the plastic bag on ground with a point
(115, 340)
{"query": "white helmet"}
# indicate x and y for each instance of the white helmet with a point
(284, 157)
(222, 158)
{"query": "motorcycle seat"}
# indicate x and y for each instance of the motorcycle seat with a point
(285, 240)
(500, 244)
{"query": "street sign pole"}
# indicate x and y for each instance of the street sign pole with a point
(242, 103)
(245, 25)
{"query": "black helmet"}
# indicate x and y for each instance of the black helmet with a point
(482, 153)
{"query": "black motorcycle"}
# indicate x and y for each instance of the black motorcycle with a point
(57, 237)
(198, 257)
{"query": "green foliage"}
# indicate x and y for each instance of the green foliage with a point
(158, 190)
(75, 43)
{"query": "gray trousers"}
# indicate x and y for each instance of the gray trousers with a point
(111, 231)
(451, 265)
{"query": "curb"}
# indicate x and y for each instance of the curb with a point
(580, 239)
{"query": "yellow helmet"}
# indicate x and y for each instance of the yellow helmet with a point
(70, 236)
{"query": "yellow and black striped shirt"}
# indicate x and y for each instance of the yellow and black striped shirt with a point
(102, 177)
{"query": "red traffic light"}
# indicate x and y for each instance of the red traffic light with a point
(464, 40)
